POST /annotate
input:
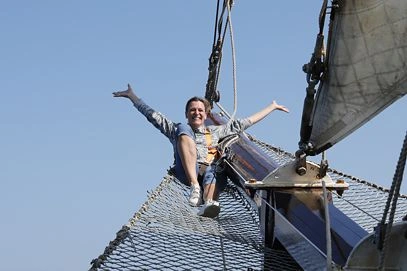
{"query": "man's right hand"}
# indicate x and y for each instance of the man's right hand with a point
(128, 93)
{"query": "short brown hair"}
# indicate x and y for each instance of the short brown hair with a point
(198, 99)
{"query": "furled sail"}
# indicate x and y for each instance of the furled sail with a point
(366, 68)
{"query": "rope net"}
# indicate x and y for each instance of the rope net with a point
(166, 233)
(363, 202)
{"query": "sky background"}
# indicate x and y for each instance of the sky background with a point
(76, 163)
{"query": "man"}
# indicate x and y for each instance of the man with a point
(193, 145)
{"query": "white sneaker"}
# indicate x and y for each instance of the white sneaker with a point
(195, 196)
(210, 209)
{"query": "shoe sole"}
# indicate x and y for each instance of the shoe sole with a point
(211, 211)
(195, 204)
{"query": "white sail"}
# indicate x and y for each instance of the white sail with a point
(367, 68)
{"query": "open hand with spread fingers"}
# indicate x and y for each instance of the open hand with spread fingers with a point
(128, 93)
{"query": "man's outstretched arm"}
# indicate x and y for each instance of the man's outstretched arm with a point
(267, 110)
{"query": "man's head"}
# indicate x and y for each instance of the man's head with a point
(196, 111)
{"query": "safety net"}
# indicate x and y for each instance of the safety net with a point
(166, 233)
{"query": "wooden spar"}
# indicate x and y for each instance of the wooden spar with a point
(294, 216)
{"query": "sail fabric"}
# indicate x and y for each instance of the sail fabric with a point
(367, 68)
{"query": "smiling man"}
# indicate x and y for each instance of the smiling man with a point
(194, 146)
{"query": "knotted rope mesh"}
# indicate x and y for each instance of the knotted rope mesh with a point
(363, 202)
(166, 233)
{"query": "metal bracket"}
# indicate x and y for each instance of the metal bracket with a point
(286, 176)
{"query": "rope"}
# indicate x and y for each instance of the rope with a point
(211, 94)
(354, 205)
(327, 230)
(224, 111)
(215, 60)
(232, 44)
(229, 3)
(225, 4)
(216, 23)
(393, 197)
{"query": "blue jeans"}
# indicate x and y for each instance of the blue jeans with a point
(209, 176)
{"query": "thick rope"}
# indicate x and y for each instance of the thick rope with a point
(393, 197)
(229, 4)
(232, 44)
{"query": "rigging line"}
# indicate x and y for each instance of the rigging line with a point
(229, 23)
(286, 220)
(228, 4)
(354, 205)
(322, 15)
(223, 110)
(395, 190)
(232, 43)
(216, 23)
(221, 41)
(327, 229)
(219, 45)
(225, 3)
(215, 58)
(396, 180)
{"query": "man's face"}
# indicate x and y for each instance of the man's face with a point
(196, 114)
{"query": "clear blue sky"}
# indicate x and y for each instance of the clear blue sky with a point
(75, 163)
